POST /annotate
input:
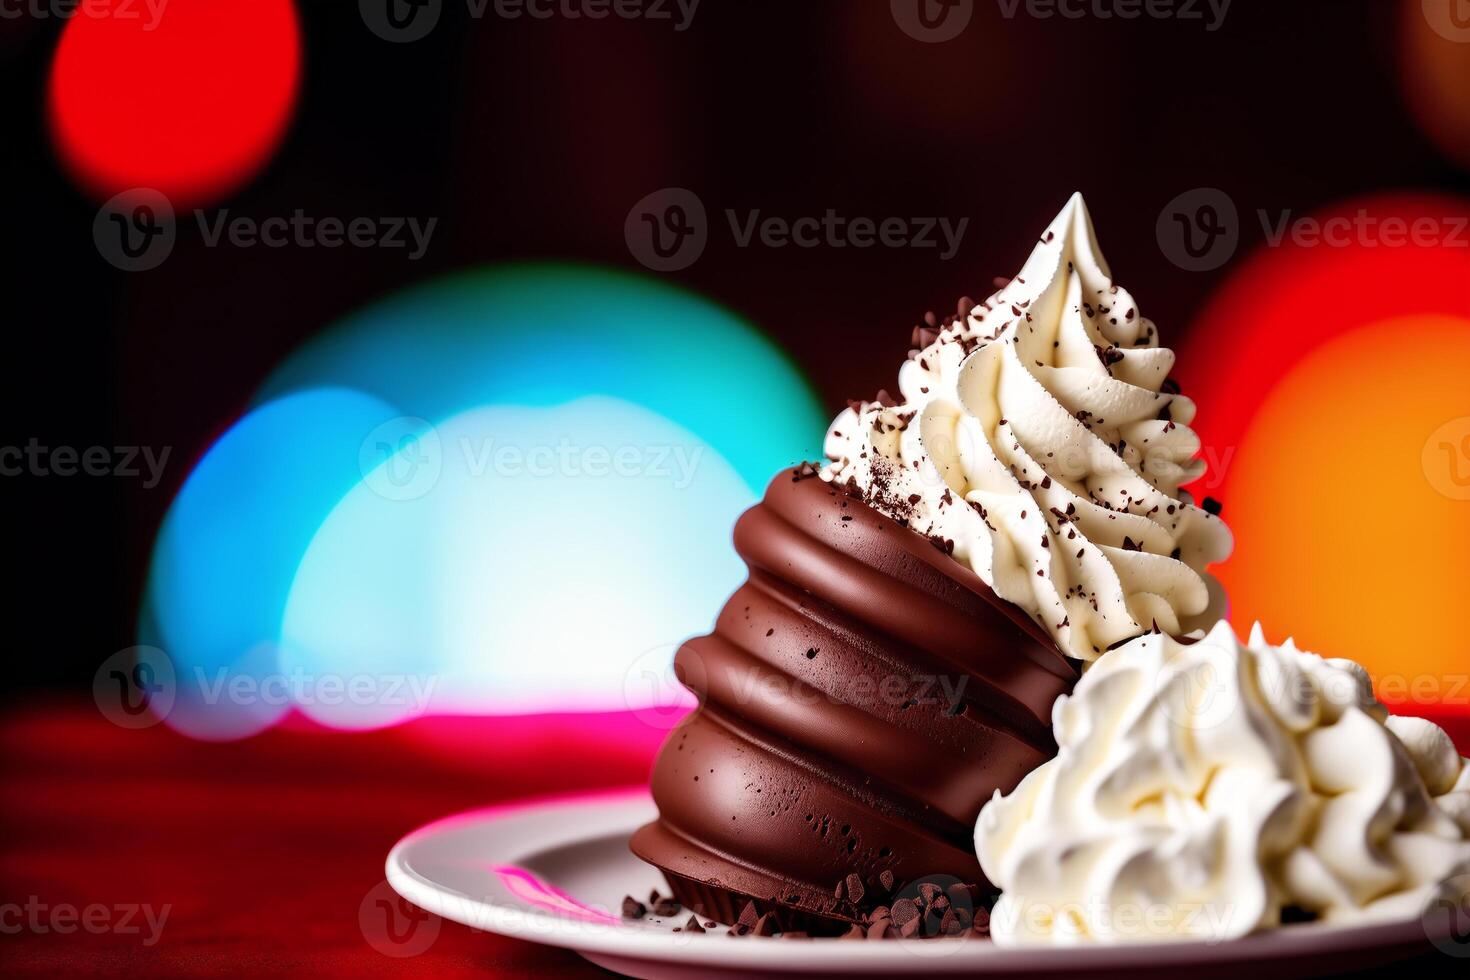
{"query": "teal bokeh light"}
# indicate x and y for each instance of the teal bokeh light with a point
(545, 334)
(572, 353)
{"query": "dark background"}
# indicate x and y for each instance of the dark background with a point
(533, 139)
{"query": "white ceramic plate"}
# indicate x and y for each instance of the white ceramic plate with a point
(556, 871)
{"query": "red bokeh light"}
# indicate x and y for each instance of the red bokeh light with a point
(1285, 302)
(190, 101)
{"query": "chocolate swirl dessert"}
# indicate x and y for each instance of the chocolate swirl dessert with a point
(914, 608)
(862, 695)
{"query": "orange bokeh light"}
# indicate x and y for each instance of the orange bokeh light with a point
(1348, 535)
(1328, 379)
(189, 98)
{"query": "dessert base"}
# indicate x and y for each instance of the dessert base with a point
(794, 906)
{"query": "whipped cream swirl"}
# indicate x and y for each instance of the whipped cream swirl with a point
(1039, 441)
(1200, 789)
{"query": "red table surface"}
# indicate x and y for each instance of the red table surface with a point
(264, 850)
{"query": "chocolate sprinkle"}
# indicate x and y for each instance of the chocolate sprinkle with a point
(944, 544)
(905, 910)
(923, 336)
(748, 916)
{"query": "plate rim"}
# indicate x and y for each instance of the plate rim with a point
(625, 941)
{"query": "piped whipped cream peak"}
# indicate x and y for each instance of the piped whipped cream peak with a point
(1039, 440)
(1202, 789)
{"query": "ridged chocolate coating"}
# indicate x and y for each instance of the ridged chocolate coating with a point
(862, 695)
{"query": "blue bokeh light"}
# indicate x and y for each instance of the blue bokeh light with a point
(229, 546)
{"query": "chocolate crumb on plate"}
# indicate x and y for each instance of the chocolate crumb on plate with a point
(904, 910)
(748, 916)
